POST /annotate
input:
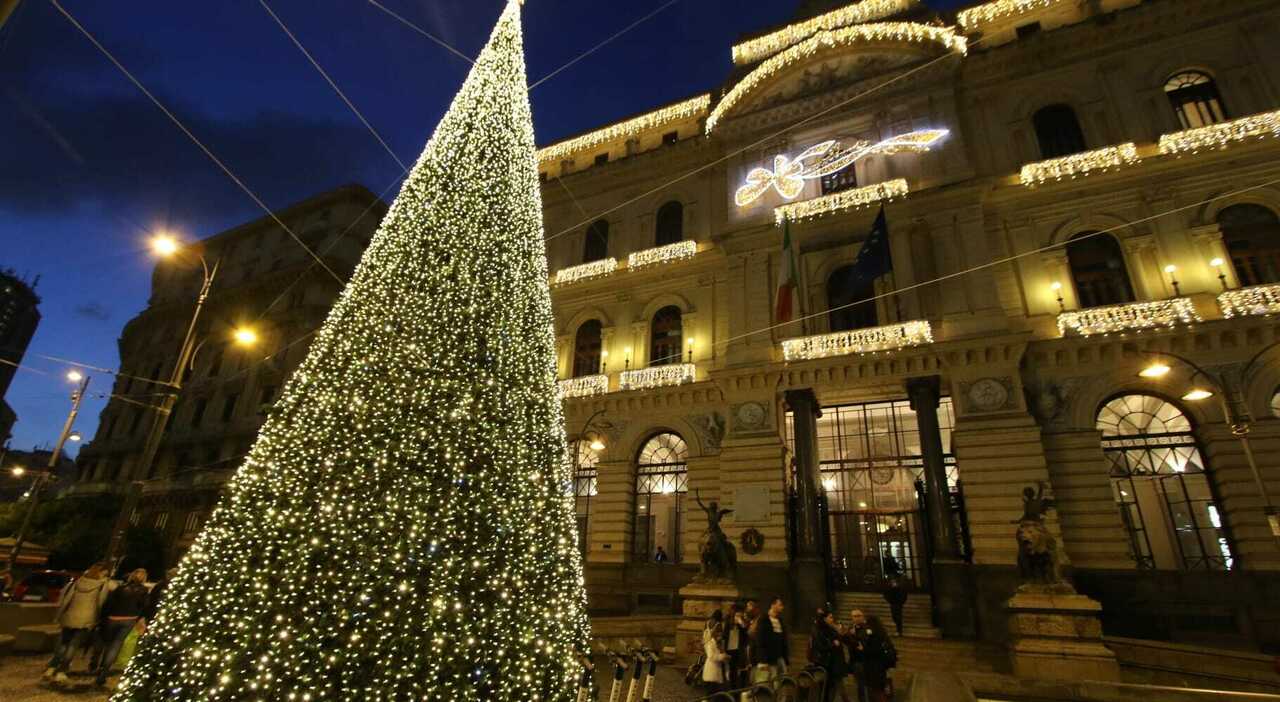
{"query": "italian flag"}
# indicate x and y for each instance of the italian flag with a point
(784, 307)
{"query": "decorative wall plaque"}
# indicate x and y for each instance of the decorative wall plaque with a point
(752, 541)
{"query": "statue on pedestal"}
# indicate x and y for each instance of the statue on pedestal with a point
(1037, 547)
(718, 556)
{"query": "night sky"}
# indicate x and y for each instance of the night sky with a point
(89, 168)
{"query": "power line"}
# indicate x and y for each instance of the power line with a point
(593, 49)
(422, 31)
(177, 122)
(331, 83)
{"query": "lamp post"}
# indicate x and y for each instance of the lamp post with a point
(1234, 409)
(165, 247)
(44, 476)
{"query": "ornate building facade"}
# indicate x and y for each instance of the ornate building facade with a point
(265, 282)
(1080, 200)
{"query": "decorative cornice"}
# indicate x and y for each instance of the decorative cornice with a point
(692, 108)
(763, 47)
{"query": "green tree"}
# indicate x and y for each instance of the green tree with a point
(401, 528)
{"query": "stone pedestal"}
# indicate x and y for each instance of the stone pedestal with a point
(1055, 634)
(700, 600)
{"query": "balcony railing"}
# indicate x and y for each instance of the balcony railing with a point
(658, 376)
(584, 386)
(1217, 136)
(1258, 300)
(890, 336)
(663, 254)
(586, 271)
(1077, 165)
(1133, 316)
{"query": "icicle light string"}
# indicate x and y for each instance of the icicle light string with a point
(190, 135)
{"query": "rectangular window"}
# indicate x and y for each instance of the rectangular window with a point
(268, 395)
(670, 138)
(137, 419)
(229, 407)
(162, 520)
(601, 159)
(111, 427)
(215, 365)
(134, 517)
(193, 524)
(1027, 30)
(197, 414)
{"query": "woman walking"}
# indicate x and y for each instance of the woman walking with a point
(123, 610)
(78, 611)
(713, 673)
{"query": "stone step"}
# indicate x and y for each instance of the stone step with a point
(917, 613)
(40, 638)
(6, 645)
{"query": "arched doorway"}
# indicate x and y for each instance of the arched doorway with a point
(662, 479)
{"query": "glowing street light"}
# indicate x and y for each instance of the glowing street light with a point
(74, 376)
(246, 336)
(1197, 394)
(164, 245)
(1155, 370)
(597, 445)
(18, 471)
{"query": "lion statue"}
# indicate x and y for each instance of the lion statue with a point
(1037, 553)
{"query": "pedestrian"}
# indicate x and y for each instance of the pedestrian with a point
(827, 651)
(879, 657)
(735, 646)
(855, 638)
(896, 596)
(775, 651)
(78, 611)
(123, 609)
(713, 669)
(661, 556)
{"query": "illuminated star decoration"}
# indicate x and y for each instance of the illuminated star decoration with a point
(788, 176)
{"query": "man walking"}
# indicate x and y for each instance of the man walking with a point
(775, 650)
(896, 596)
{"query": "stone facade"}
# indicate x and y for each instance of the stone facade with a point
(264, 281)
(979, 249)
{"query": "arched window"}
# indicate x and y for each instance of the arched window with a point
(596, 245)
(585, 486)
(662, 479)
(1058, 131)
(844, 288)
(1275, 403)
(1252, 236)
(586, 349)
(665, 336)
(1195, 99)
(1097, 269)
(1161, 484)
(670, 228)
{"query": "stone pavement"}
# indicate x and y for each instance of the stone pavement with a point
(20, 682)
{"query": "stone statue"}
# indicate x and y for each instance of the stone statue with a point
(1037, 547)
(719, 557)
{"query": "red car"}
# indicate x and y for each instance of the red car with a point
(42, 586)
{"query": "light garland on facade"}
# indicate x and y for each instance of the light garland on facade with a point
(1134, 316)
(1258, 300)
(827, 158)
(763, 47)
(911, 32)
(689, 109)
(1218, 136)
(884, 338)
(586, 271)
(399, 529)
(991, 11)
(584, 386)
(841, 201)
(658, 376)
(1081, 164)
(679, 251)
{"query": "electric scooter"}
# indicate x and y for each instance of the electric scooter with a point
(653, 673)
(633, 694)
(619, 672)
(586, 680)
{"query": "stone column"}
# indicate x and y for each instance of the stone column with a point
(1145, 270)
(808, 568)
(953, 599)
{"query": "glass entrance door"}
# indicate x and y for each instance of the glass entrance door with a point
(870, 548)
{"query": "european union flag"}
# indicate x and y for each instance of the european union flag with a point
(874, 259)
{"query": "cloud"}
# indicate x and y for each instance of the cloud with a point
(93, 310)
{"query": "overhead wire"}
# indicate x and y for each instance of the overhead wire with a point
(403, 20)
(597, 47)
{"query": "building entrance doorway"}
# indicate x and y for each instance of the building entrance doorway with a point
(868, 549)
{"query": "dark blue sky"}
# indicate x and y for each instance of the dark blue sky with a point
(88, 167)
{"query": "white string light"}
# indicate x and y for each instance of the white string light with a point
(693, 108)
(883, 338)
(763, 47)
(841, 201)
(1135, 316)
(1218, 136)
(1081, 164)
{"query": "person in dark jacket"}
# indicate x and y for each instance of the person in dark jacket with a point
(125, 606)
(896, 596)
(878, 658)
(735, 646)
(826, 649)
(157, 594)
(771, 637)
(854, 637)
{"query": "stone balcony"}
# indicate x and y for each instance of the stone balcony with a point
(1135, 316)
(658, 376)
(1258, 300)
(884, 338)
(584, 386)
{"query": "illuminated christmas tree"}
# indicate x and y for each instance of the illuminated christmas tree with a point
(401, 528)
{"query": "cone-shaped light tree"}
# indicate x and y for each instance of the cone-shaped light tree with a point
(401, 529)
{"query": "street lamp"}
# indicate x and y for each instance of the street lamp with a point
(1234, 409)
(164, 246)
(1056, 287)
(245, 336)
(44, 476)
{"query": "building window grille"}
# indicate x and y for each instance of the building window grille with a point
(595, 246)
(1058, 131)
(1195, 99)
(587, 347)
(662, 479)
(162, 520)
(846, 179)
(1098, 270)
(586, 475)
(670, 224)
(1161, 484)
(1251, 234)
(666, 332)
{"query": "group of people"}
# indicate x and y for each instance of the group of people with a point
(745, 645)
(97, 614)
